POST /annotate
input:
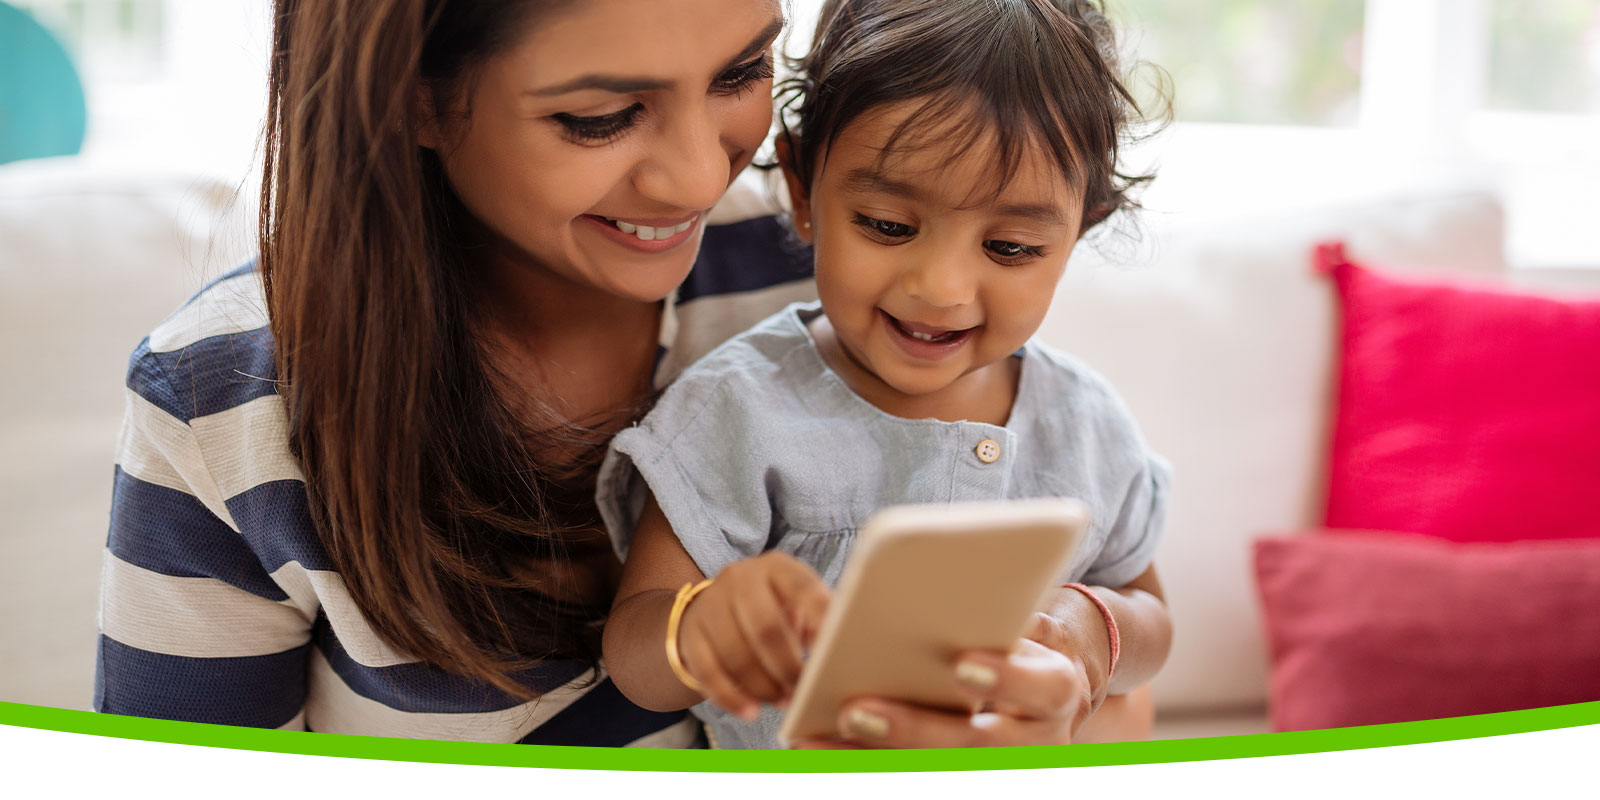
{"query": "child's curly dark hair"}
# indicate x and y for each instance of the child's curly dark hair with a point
(1028, 72)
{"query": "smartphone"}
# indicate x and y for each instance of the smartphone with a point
(924, 583)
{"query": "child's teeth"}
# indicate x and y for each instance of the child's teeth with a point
(682, 226)
(926, 337)
(626, 227)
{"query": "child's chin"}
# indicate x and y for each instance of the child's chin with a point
(917, 385)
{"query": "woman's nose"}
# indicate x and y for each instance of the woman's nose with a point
(689, 167)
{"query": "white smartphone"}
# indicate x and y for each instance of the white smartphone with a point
(925, 582)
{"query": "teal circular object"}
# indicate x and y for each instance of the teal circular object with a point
(42, 108)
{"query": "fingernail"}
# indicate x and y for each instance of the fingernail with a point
(975, 676)
(865, 724)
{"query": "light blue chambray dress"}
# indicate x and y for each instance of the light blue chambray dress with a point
(760, 445)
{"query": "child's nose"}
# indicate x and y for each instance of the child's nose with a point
(943, 280)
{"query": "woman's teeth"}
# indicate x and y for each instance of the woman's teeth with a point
(647, 233)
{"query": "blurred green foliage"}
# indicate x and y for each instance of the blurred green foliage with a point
(1258, 61)
(1545, 55)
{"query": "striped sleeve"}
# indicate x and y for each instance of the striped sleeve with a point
(192, 625)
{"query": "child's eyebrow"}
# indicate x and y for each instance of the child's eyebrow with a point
(862, 180)
(1038, 212)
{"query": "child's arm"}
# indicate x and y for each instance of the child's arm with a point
(742, 637)
(1074, 625)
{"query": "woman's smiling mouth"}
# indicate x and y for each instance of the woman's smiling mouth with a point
(649, 235)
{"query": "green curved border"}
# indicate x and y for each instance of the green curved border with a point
(600, 758)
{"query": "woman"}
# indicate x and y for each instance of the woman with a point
(355, 488)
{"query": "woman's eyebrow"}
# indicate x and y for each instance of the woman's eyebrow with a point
(759, 43)
(610, 83)
(623, 84)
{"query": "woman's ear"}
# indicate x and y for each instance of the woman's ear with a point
(799, 200)
(428, 133)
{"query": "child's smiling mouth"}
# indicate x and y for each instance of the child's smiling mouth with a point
(926, 341)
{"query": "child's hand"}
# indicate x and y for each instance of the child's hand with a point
(743, 637)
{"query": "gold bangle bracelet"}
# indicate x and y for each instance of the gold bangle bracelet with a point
(674, 660)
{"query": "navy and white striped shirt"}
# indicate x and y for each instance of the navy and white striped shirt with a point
(218, 603)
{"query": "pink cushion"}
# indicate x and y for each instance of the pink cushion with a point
(1367, 628)
(1471, 414)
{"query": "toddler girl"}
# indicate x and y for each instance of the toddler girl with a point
(945, 157)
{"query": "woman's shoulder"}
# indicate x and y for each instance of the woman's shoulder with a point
(206, 432)
(749, 266)
(746, 255)
(213, 354)
(747, 245)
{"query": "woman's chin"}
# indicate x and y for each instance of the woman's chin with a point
(647, 291)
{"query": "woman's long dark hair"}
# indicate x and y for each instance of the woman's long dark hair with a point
(423, 485)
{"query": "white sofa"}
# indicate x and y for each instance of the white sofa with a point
(90, 258)
(1216, 332)
(1222, 340)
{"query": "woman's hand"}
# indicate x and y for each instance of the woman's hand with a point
(1045, 690)
(1034, 695)
(745, 635)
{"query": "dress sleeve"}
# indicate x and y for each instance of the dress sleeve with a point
(700, 454)
(1131, 542)
(192, 626)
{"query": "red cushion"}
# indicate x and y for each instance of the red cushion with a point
(1471, 414)
(1368, 628)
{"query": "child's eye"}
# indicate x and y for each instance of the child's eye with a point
(1011, 252)
(745, 75)
(883, 230)
(599, 130)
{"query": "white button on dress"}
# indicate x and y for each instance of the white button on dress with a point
(988, 451)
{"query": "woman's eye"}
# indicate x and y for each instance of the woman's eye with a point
(745, 75)
(884, 229)
(599, 130)
(1012, 252)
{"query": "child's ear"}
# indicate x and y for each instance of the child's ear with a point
(798, 198)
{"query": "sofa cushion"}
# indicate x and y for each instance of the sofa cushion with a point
(1368, 628)
(1472, 414)
(1221, 339)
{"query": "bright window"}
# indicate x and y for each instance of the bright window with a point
(1285, 103)
(1287, 91)
(1545, 56)
(111, 40)
(170, 83)
(1285, 62)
